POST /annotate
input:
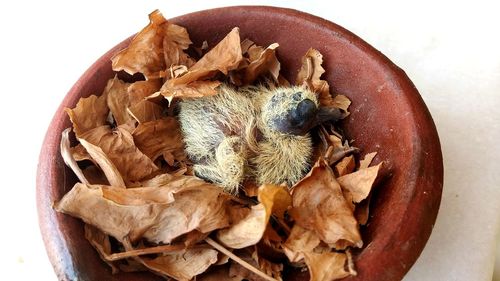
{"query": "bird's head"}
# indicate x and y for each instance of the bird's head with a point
(295, 110)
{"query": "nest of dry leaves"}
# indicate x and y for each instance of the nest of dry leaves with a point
(144, 210)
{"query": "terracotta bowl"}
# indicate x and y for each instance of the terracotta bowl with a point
(387, 115)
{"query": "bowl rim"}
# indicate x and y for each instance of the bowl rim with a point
(420, 222)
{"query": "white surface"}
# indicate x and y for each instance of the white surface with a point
(449, 50)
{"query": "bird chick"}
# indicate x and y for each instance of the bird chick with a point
(252, 131)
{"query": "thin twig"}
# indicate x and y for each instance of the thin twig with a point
(145, 251)
(234, 257)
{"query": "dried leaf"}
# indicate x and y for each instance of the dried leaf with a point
(360, 183)
(112, 174)
(318, 205)
(275, 197)
(148, 212)
(139, 90)
(310, 75)
(365, 163)
(345, 166)
(145, 111)
(224, 57)
(362, 210)
(300, 240)
(100, 241)
(342, 102)
(265, 62)
(117, 100)
(158, 137)
(174, 43)
(146, 53)
(193, 89)
(68, 156)
(182, 265)
(250, 255)
(88, 114)
(326, 266)
(219, 273)
(119, 148)
(250, 229)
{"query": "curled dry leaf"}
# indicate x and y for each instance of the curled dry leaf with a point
(310, 75)
(342, 102)
(118, 146)
(117, 100)
(365, 163)
(219, 273)
(300, 241)
(249, 230)
(141, 212)
(68, 156)
(184, 265)
(159, 137)
(112, 174)
(326, 266)
(140, 90)
(318, 205)
(359, 183)
(250, 255)
(345, 166)
(88, 114)
(224, 57)
(100, 241)
(261, 64)
(156, 47)
(145, 111)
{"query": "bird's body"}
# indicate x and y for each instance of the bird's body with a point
(252, 132)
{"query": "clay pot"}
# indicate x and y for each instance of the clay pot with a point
(387, 116)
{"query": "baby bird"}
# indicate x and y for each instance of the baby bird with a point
(252, 131)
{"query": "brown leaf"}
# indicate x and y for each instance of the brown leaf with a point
(155, 48)
(345, 166)
(250, 229)
(67, 156)
(148, 212)
(300, 241)
(318, 205)
(326, 266)
(193, 89)
(342, 102)
(119, 148)
(100, 241)
(158, 137)
(219, 273)
(250, 255)
(145, 111)
(117, 100)
(365, 163)
(139, 90)
(174, 43)
(265, 62)
(310, 75)
(359, 183)
(275, 197)
(224, 57)
(182, 265)
(88, 114)
(112, 174)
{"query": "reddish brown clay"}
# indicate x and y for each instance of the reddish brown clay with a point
(387, 115)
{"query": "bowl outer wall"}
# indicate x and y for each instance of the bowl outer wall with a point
(387, 116)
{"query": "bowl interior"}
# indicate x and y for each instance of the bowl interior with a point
(387, 116)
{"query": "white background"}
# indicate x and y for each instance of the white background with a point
(450, 50)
